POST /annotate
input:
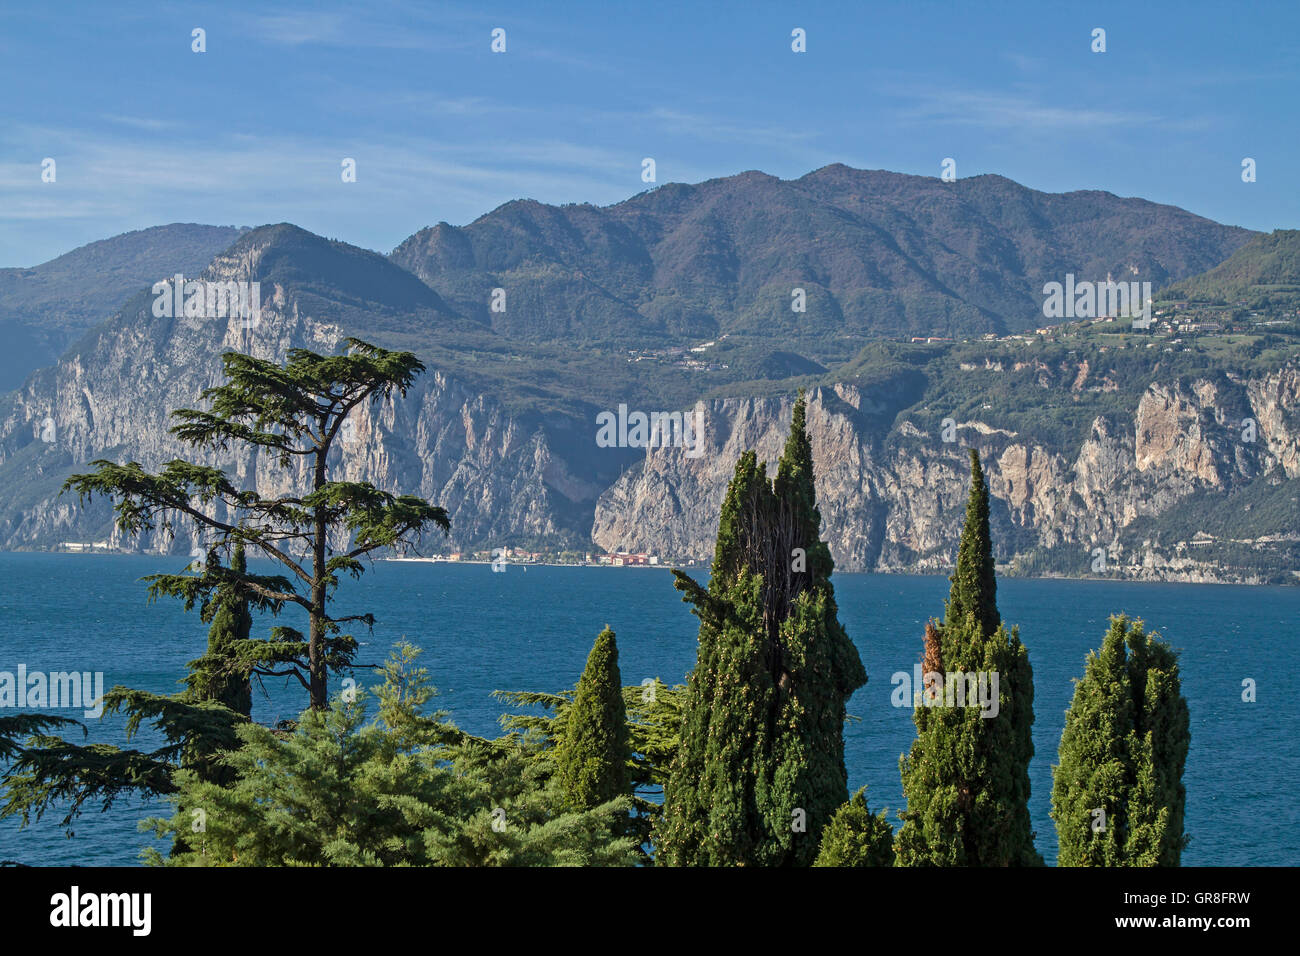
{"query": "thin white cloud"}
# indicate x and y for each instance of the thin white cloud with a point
(716, 128)
(300, 29)
(268, 179)
(1011, 111)
(377, 26)
(1023, 63)
(138, 122)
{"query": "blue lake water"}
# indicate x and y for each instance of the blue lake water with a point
(531, 630)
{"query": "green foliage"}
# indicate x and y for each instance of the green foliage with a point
(220, 675)
(51, 772)
(48, 771)
(656, 271)
(593, 756)
(197, 724)
(1247, 528)
(655, 712)
(760, 769)
(1035, 388)
(966, 779)
(292, 414)
(653, 723)
(404, 788)
(1266, 506)
(1118, 796)
(25, 725)
(1264, 273)
(974, 589)
(857, 837)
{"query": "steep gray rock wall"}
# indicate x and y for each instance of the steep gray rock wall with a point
(891, 489)
(111, 398)
(893, 501)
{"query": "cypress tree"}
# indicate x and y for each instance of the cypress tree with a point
(219, 675)
(223, 674)
(966, 779)
(653, 712)
(974, 584)
(592, 758)
(760, 769)
(857, 837)
(1118, 795)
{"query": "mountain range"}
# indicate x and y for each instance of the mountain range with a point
(535, 318)
(45, 308)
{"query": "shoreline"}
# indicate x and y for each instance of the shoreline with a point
(668, 566)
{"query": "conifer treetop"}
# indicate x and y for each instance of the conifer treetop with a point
(974, 584)
(796, 487)
(593, 756)
(762, 724)
(1122, 754)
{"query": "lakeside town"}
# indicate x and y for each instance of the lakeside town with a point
(497, 557)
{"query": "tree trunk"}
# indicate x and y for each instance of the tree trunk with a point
(316, 640)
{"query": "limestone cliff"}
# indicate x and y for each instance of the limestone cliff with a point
(891, 499)
(111, 395)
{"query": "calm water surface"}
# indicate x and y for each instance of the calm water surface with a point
(531, 630)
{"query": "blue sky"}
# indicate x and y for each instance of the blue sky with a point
(144, 131)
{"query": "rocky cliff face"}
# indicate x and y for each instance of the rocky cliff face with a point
(891, 475)
(111, 398)
(891, 488)
(892, 500)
